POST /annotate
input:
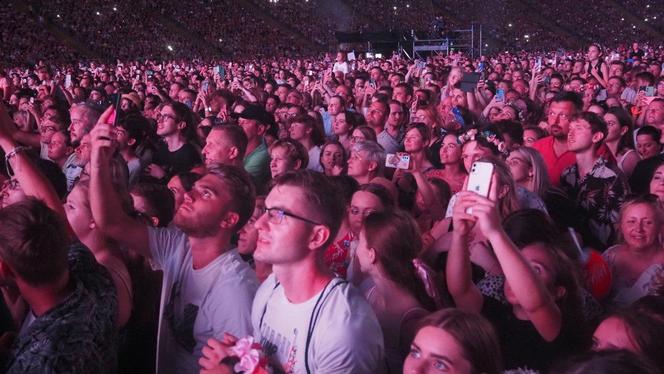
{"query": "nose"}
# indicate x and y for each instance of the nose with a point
(260, 223)
(189, 197)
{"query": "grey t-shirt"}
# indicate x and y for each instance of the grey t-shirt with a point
(345, 334)
(197, 304)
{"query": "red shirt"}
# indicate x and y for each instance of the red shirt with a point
(554, 164)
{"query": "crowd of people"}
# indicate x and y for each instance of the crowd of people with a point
(129, 30)
(327, 215)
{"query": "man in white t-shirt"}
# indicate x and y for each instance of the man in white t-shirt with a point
(207, 288)
(307, 320)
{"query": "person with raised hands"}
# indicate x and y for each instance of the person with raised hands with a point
(202, 268)
(539, 281)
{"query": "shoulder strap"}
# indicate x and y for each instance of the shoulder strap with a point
(315, 313)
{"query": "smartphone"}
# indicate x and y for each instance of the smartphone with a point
(458, 117)
(399, 160)
(650, 91)
(420, 64)
(67, 80)
(538, 64)
(206, 86)
(479, 178)
(32, 100)
(500, 95)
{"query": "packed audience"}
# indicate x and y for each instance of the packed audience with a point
(315, 215)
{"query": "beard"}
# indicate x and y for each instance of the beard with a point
(194, 226)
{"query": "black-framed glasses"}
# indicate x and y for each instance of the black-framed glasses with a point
(276, 216)
(161, 117)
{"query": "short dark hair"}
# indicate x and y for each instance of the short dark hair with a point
(235, 135)
(569, 96)
(33, 242)
(653, 131)
(322, 197)
(160, 201)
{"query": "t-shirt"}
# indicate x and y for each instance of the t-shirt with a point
(345, 336)
(179, 161)
(521, 344)
(257, 164)
(554, 164)
(314, 159)
(197, 304)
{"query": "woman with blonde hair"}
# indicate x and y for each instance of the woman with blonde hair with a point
(639, 258)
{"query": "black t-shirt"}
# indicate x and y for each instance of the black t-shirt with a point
(522, 346)
(179, 161)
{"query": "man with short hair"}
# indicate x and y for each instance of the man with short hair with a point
(70, 325)
(202, 269)
(554, 148)
(377, 115)
(336, 104)
(366, 161)
(255, 122)
(225, 145)
(307, 320)
(593, 182)
(391, 138)
(83, 118)
(655, 114)
(403, 93)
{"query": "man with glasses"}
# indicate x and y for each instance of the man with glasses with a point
(177, 154)
(553, 148)
(307, 320)
(207, 288)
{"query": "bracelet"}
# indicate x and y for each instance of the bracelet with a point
(14, 151)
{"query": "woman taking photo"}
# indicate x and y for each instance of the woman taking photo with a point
(540, 287)
(639, 258)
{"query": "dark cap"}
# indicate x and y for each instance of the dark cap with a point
(256, 113)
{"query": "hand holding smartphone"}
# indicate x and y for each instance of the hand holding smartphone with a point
(479, 179)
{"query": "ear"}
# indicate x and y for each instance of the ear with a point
(233, 153)
(69, 150)
(92, 225)
(297, 165)
(131, 141)
(503, 191)
(319, 235)
(261, 129)
(623, 130)
(155, 221)
(230, 221)
(597, 137)
(182, 125)
(373, 165)
(559, 292)
(371, 255)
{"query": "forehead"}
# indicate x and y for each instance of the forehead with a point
(562, 106)
(365, 199)
(286, 197)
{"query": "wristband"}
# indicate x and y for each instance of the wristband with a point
(14, 151)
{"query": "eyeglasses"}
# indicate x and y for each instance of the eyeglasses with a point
(276, 216)
(160, 117)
